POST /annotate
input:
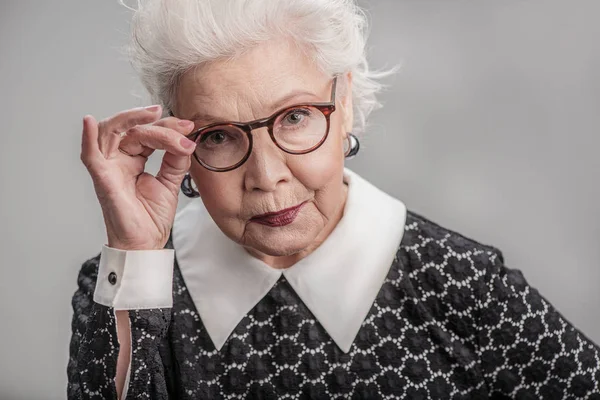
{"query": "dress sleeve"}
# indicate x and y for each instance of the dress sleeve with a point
(94, 345)
(135, 279)
(527, 348)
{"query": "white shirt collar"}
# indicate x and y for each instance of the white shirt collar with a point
(338, 281)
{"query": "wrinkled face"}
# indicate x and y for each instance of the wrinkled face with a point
(264, 80)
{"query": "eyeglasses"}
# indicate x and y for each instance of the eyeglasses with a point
(298, 129)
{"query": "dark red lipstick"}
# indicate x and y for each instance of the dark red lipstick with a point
(278, 218)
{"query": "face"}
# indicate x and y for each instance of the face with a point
(264, 80)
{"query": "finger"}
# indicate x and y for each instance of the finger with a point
(183, 126)
(145, 153)
(172, 170)
(140, 138)
(180, 125)
(110, 129)
(89, 141)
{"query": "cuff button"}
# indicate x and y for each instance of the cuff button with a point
(112, 278)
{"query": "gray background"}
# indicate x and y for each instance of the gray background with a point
(491, 129)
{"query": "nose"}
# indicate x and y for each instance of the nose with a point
(266, 167)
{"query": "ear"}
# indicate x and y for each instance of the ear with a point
(346, 103)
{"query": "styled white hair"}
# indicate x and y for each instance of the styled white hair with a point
(169, 37)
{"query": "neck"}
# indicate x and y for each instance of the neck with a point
(283, 262)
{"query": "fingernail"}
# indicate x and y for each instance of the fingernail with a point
(186, 143)
(153, 108)
(185, 123)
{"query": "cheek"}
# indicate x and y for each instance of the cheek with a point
(315, 170)
(220, 192)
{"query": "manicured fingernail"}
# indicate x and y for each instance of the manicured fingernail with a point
(153, 108)
(186, 143)
(185, 123)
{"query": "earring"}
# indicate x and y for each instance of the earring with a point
(187, 187)
(353, 145)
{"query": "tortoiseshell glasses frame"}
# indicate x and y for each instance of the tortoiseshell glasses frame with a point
(325, 108)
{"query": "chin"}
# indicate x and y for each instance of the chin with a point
(279, 248)
(283, 240)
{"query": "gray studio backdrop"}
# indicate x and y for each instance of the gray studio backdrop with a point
(491, 128)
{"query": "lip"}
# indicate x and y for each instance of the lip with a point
(279, 218)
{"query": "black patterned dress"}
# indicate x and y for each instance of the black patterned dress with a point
(451, 321)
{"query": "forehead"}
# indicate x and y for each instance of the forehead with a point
(251, 82)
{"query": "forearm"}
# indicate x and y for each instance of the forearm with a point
(132, 280)
(121, 314)
(124, 358)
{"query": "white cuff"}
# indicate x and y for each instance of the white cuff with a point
(135, 279)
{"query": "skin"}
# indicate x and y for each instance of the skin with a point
(139, 208)
(270, 180)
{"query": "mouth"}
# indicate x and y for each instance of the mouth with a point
(278, 218)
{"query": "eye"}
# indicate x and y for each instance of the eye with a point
(214, 137)
(295, 117)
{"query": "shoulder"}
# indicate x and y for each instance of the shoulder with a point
(437, 261)
(434, 243)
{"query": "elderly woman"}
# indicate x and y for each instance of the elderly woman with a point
(290, 276)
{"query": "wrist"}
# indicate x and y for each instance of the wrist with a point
(132, 246)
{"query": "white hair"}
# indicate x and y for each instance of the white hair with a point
(169, 37)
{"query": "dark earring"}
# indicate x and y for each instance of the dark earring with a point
(187, 188)
(353, 146)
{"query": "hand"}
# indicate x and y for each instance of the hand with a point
(138, 208)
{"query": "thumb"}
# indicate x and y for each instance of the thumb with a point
(172, 170)
(89, 141)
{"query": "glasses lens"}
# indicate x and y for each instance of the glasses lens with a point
(300, 129)
(222, 146)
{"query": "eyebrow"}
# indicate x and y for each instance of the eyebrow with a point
(278, 105)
